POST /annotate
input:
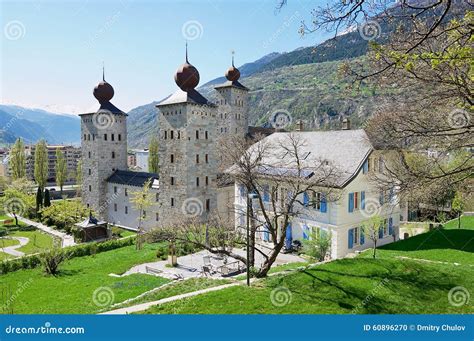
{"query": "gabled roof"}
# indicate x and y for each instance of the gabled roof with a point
(181, 96)
(236, 84)
(342, 152)
(130, 178)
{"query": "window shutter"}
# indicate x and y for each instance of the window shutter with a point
(362, 236)
(362, 200)
(351, 238)
(266, 193)
(305, 232)
(390, 226)
(381, 198)
(289, 237)
(305, 199)
(351, 202)
(365, 167)
(241, 190)
(380, 231)
(324, 206)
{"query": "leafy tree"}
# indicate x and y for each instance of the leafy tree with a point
(424, 48)
(318, 244)
(41, 164)
(64, 213)
(18, 160)
(47, 199)
(458, 206)
(61, 170)
(142, 200)
(153, 161)
(371, 229)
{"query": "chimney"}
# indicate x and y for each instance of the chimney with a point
(299, 126)
(346, 124)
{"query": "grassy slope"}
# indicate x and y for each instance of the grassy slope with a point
(447, 245)
(178, 288)
(341, 286)
(72, 290)
(5, 242)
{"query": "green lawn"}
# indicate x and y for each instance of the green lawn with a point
(5, 242)
(178, 288)
(467, 223)
(341, 287)
(446, 245)
(72, 290)
(386, 285)
(39, 241)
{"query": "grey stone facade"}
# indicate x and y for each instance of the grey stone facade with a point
(104, 150)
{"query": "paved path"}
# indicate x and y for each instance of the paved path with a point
(145, 306)
(11, 250)
(67, 240)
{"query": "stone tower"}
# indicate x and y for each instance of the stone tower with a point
(232, 104)
(104, 148)
(187, 153)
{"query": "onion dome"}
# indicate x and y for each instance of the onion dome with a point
(232, 74)
(187, 76)
(103, 91)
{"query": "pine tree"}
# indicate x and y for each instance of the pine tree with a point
(153, 166)
(41, 164)
(39, 199)
(18, 160)
(61, 170)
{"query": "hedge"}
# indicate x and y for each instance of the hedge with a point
(33, 261)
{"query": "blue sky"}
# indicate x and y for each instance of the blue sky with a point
(52, 51)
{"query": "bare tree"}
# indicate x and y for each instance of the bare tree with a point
(371, 228)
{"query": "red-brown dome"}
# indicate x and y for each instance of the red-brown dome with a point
(187, 77)
(103, 92)
(232, 74)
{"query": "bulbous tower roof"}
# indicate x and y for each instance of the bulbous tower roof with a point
(187, 76)
(103, 92)
(232, 74)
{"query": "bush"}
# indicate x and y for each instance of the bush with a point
(51, 260)
(3, 231)
(162, 251)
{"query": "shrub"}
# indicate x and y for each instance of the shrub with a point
(51, 260)
(162, 251)
(3, 231)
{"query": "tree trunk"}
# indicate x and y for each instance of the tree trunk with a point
(269, 262)
(16, 219)
(375, 248)
(459, 220)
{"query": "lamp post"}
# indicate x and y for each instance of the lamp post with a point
(250, 197)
